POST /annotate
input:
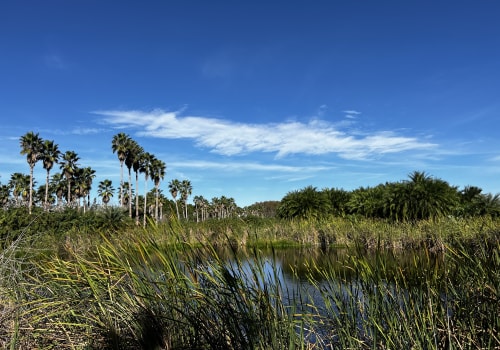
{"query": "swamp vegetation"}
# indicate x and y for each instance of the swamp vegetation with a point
(98, 281)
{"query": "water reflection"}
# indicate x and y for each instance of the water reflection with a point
(300, 265)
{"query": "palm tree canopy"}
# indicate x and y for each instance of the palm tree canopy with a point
(120, 145)
(174, 187)
(69, 163)
(186, 189)
(158, 171)
(132, 153)
(31, 146)
(145, 163)
(50, 154)
(105, 190)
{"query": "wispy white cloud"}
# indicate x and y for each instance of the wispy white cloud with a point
(248, 166)
(316, 137)
(351, 112)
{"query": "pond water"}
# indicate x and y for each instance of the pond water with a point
(336, 282)
(298, 265)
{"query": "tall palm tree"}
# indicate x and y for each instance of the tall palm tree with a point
(157, 174)
(147, 159)
(68, 166)
(119, 145)
(83, 183)
(198, 203)
(105, 191)
(31, 146)
(136, 166)
(174, 189)
(133, 151)
(58, 184)
(50, 155)
(186, 189)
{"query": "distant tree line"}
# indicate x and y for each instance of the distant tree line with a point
(421, 197)
(72, 185)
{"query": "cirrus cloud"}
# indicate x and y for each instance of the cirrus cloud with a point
(316, 137)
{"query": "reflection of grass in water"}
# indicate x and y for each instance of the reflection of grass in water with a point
(131, 292)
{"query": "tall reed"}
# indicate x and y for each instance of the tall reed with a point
(455, 306)
(137, 294)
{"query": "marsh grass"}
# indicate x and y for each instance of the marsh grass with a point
(138, 294)
(376, 307)
(170, 287)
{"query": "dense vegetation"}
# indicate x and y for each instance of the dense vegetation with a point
(421, 197)
(92, 286)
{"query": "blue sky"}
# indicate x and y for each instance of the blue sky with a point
(253, 99)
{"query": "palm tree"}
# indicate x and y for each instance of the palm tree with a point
(174, 188)
(4, 195)
(198, 205)
(58, 184)
(147, 159)
(119, 145)
(19, 184)
(31, 146)
(157, 174)
(133, 152)
(430, 197)
(83, 184)
(307, 203)
(136, 166)
(470, 199)
(186, 189)
(50, 155)
(490, 205)
(126, 191)
(105, 190)
(68, 167)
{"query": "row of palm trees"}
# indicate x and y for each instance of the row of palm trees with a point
(78, 180)
(74, 183)
(47, 151)
(135, 159)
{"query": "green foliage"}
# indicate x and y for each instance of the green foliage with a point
(307, 203)
(15, 221)
(266, 209)
(135, 294)
(447, 303)
(422, 197)
(131, 290)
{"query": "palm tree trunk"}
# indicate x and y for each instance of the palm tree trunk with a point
(130, 193)
(68, 199)
(156, 206)
(137, 198)
(145, 200)
(121, 183)
(46, 204)
(31, 189)
(177, 209)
